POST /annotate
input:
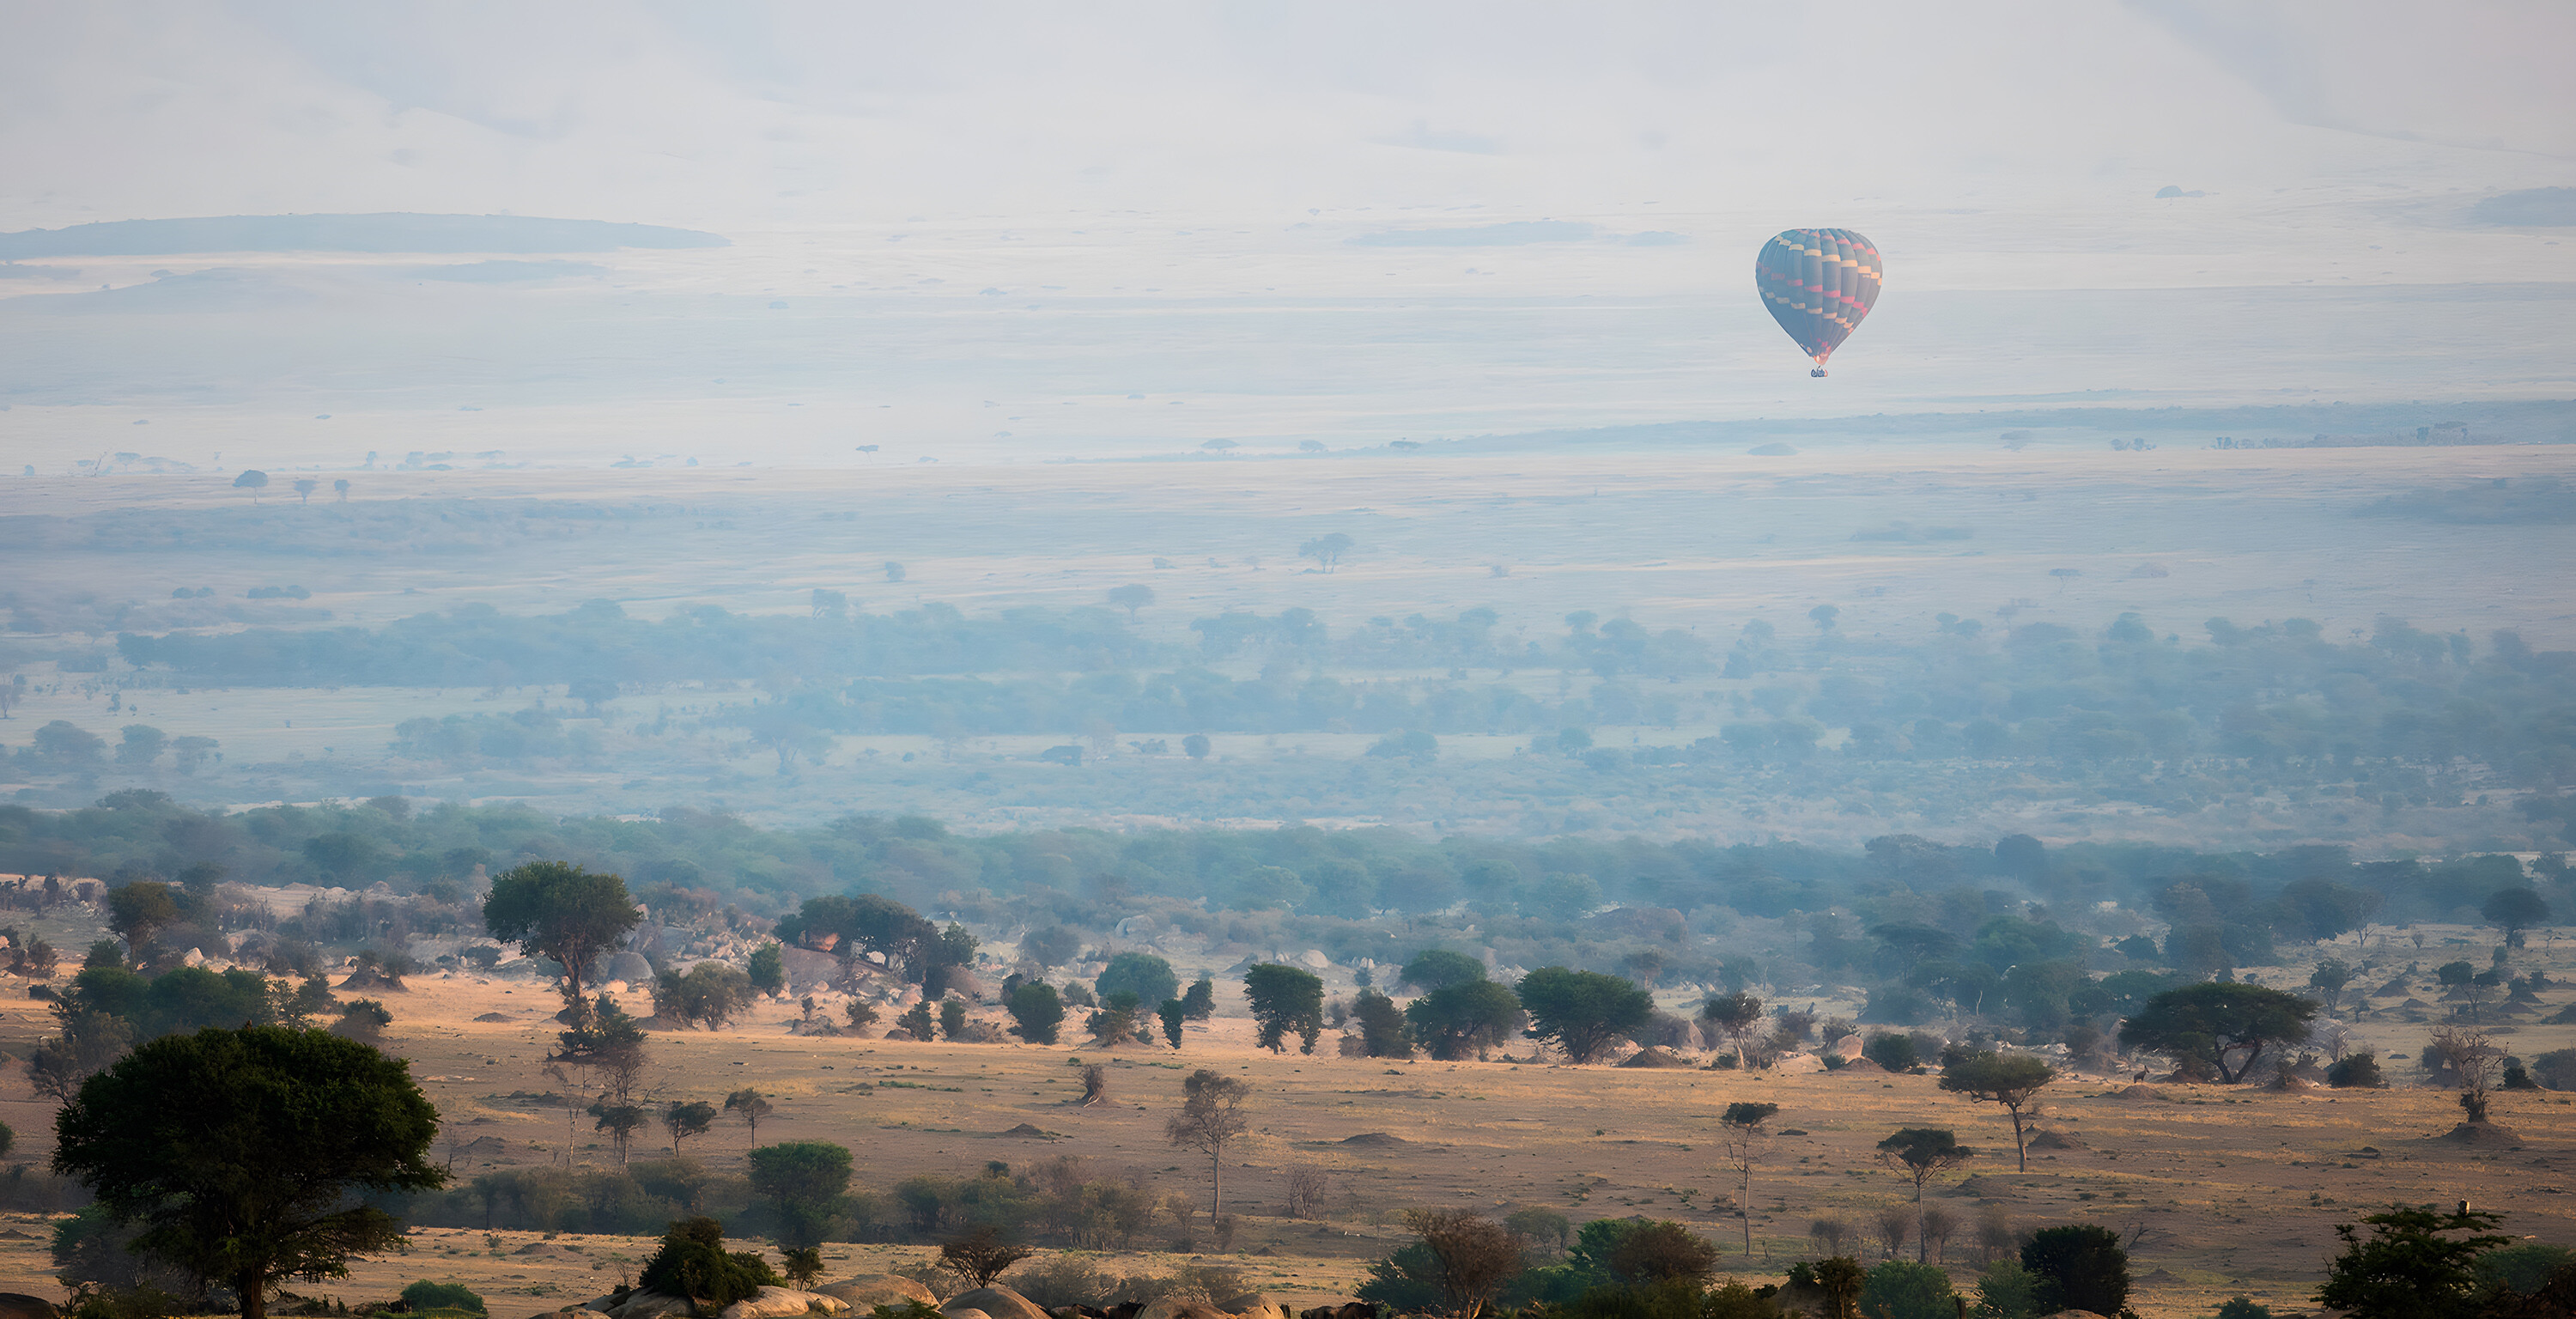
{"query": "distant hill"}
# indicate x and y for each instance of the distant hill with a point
(389, 232)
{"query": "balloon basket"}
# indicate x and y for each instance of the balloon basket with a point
(1818, 373)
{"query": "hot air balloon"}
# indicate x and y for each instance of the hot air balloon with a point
(1818, 283)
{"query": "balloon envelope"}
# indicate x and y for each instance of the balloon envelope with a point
(1818, 283)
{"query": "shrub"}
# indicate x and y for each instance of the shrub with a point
(692, 1263)
(2006, 1290)
(2523, 1267)
(2244, 1307)
(2080, 1268)
(1900, 1289)
(2357, 1071)
(1894, 1052)
(424, 1296)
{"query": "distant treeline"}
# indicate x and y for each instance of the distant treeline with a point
(692, 858)
(478, 646)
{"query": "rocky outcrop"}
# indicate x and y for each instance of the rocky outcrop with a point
(866, 1291)
(994, 1302)
(782, 1303)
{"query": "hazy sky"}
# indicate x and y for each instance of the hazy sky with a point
(747, 115)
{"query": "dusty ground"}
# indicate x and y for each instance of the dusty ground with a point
(2228, 1191)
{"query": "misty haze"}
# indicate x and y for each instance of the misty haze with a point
(1335, 662)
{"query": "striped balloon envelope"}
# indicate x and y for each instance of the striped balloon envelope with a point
(1818, 283)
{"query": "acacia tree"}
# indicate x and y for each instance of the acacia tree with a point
(1734, 1018)
(559, 910)
(684, 1120)
(2012, 1080)
(1584, 1012)
(1916, 1153)
(2408, 1268)
(1741, 1135)
(753, 1106)
(1212, 1117)
(2208, 1022)
(2515, 910)
(238, 1152)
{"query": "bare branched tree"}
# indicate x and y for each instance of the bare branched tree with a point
(1476, 1256)
(1307, 1187)
(1212, 1117)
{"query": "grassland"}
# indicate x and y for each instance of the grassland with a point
(2224, 1190)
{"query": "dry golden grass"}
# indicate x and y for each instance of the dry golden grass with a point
(2229, 1190)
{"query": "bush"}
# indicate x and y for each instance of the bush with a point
(692, 1263)
(1896, 1053)
(2244, 1307)
(2357, 1071)
(2523, 1267)
(2079, 1268)
(2006, 1290)
(1899, 1289)
(424, 1296)
(1148, 977)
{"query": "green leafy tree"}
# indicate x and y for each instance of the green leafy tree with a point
(1199, 1003)
(803, 1181)
(1382, 1027)
(1131, 597)
(1146, 976)
(2079, 1268)
(1037, 1012)
(1212, 1117)
(1326, 549)
(620, 1120)
(2215, 1023)
(2331, 976)
(693, 1263)
(952, 1017)
(2006, 1290)
(241, 1152)
(1465, 1020)
(559, 910)
(919, 1022)
(768, 970)
(2515, 910)
(865, 923)
(1174, 1016)
(1284, 999)
(2416, 1263)
(1436, 969)
(2012, 1080)
(1901, 1290)
(1841, 1279)
(684, 1120)
(1582, 1012)
(138, 911)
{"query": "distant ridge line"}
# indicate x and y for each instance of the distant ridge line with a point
(390, 231)
(2534, 421)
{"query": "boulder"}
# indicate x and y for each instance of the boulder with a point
(19, 1305)
(865, 1292)
(995, 1302)
(1848, 1047)
(624, 964)
(1177, 1307)
(783, 1303)
(966, 1312)
(653, 1305)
